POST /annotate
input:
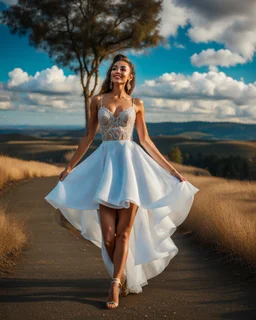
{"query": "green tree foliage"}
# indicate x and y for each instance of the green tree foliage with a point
(79, 34)
(231, 167)
(175, 155)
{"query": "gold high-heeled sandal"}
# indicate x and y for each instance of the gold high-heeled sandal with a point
(113, 302)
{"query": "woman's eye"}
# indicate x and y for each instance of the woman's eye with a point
(121, 69)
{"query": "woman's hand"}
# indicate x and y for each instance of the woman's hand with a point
(64, 173)
(179, 176)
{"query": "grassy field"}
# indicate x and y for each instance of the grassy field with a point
(13, 169)
(13, 240)
(224, 215)
(13, 232)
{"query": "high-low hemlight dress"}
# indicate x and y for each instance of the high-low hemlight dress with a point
(118, 172)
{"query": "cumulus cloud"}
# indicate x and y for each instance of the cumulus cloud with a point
(211, 85)
(39, 102)
(209, 96)
(212, 95)
(47, 90)
(230, 22)
(212, 58)
(172, 17)
(17, 77)
(5, 99)
(51, 81)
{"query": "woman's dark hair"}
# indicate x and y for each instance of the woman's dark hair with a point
(106, 84)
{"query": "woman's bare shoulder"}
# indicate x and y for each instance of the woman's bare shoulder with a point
(96, 99)
(139, 104)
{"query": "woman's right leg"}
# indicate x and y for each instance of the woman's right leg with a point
(108, 227)
(108, 221)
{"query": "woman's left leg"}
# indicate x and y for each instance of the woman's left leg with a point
(124, 226)
(126, 218)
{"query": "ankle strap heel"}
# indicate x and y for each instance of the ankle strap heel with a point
(113, 302)
(116, 280)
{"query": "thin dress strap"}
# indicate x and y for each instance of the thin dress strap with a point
(132, 101)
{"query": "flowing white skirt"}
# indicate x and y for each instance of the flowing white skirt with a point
(116, 173)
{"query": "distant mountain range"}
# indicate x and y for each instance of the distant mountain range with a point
(190, 130)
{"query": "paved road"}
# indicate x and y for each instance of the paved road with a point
(62, 276)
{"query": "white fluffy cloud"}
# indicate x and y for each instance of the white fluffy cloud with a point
(48, 89)
(52, 81)
(201, 96)
(210, 96)
(212, 58)
(5, 100)
(229, 22)
(173, 96)
(172, 17)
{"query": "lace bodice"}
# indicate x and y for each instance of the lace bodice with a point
(118, 127)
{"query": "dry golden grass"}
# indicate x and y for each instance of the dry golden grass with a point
(224, 214)
(13, 234)
(12, 241)
(12, 169)
(189, 170)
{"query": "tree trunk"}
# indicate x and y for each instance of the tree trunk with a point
(87, 101)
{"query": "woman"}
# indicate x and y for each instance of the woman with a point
(126, 201)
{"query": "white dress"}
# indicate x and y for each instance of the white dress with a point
(118, 172)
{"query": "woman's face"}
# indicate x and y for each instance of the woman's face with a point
(120, 72)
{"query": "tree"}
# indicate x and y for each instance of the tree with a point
(79, 34)
(176, 155)
(186, 158)
(246, 170)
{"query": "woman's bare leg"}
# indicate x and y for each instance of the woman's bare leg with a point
(117, 245)
(124, 227)
(108, 227)
(108, 220)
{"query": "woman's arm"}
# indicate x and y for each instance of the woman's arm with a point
(148, 144)
(89, 135)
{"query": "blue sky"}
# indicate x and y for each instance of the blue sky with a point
(217, 84)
